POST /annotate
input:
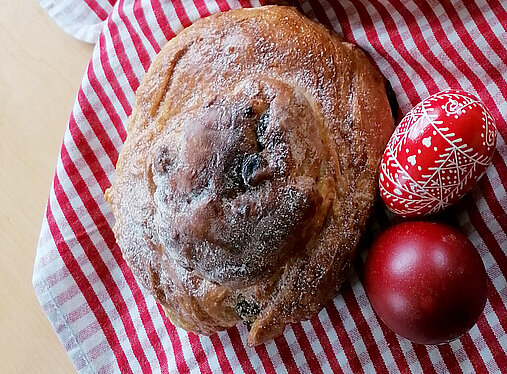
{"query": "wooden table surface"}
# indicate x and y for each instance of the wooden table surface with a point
(40, 71)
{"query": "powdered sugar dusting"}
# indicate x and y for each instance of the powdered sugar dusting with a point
(236, 183)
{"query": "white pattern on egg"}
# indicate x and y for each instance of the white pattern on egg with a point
(439, 185)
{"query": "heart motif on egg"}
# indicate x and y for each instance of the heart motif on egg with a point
(437, 153)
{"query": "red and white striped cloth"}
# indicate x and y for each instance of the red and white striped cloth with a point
(108, 324)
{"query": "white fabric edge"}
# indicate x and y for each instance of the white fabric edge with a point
(53, 312)
(87, 33)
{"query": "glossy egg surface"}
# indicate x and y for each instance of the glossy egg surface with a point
(425, 281)
(437, 153)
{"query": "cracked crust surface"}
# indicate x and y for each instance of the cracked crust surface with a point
(249, 170)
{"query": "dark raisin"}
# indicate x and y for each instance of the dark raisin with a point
(260, 130)
(249, 112)
(162, 161)
(234, 172)
(252, 164)
(247, 310)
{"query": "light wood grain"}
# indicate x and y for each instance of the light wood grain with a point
(40, 71)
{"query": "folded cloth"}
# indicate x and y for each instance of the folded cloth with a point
(108, 324)
(83, 19)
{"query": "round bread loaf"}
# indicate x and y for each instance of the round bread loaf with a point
(249, 170)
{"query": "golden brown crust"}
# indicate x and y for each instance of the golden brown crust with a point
(249, 170)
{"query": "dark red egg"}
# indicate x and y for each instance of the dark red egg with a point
(425, 281)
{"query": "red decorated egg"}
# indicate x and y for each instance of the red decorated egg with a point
(437, 153)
